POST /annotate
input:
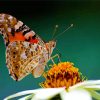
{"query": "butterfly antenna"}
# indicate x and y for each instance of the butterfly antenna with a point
(55, 30)
(63, 31)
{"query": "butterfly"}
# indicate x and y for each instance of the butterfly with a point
(26, 52)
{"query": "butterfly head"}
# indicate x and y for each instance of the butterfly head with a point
(50, 46)
(52, 43)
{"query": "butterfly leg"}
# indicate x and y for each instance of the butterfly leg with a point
(52, 58)
(47, 66)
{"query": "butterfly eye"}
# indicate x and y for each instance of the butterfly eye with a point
(54, 44)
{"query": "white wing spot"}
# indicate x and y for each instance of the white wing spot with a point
(10, 17)
(18, 25)
(26, 44)
(23, 55)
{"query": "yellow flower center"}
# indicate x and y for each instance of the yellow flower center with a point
(62, 75)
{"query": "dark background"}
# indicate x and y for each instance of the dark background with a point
(80, 44)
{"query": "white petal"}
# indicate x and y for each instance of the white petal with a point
(21, 94)
(40, 93)
(85, 83)
(26, 97)
(47, 93)
(76, 95)
(94, 87)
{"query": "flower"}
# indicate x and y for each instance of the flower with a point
(80, 91)
(62, 75)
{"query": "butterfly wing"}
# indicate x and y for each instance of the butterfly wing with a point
(22, 57)
(22, 46)
(43, 59)
(13, 29)
(37, 71)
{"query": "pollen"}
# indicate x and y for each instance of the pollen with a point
(63, 74)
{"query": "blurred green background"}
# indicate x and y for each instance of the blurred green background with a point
(80, 44)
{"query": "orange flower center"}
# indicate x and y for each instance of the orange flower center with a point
(62, 75)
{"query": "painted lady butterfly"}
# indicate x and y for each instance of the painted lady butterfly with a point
(26, 52)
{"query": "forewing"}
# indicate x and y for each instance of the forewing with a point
(13, 29)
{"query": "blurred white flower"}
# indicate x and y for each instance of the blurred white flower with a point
(81, 91)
